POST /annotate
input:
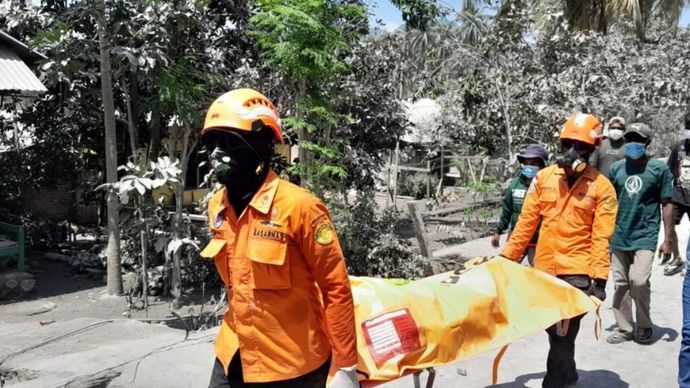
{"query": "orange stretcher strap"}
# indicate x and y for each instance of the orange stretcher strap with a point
(497, 361)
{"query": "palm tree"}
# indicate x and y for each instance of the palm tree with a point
(599, 15)
(472, 23)
(640, 12)
(435, 55)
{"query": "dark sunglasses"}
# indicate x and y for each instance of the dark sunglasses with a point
(226, 141)
(579, 146)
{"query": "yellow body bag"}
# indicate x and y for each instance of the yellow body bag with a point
(487, 303)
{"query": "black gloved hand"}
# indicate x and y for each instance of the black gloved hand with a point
(598, 289)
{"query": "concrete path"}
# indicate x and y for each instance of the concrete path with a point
(121, 353)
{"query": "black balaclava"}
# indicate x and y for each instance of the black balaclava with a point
(241, 162)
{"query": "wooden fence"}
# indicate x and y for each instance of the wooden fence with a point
(458, 170)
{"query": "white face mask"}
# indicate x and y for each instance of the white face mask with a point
(616, 134)
(686, 134)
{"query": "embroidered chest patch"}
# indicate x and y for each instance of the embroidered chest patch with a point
(268, 231)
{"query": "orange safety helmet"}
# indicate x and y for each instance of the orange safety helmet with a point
(243, 110)
(582, 127)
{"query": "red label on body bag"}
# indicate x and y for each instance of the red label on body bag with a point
(391, 334)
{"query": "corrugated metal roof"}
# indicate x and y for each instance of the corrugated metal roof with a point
(15, 75)
(24, 52)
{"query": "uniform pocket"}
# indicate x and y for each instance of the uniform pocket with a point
(584, 209)
(270, 264)
(216, 250)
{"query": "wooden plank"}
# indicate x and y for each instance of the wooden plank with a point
(428, 179)
(456, 209)
(191, 217)
(418, 224)
(444, 236)
(481, 175)
(469, 165)
(445, 210)
(468, 157)
(446, 220)
(389, 197)
(418, 169)
(439, 190)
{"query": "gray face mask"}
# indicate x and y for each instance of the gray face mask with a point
(686, 134)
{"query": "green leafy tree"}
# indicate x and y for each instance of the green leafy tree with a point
(168, 60)
(419, 14)
(136, 186)
(304, 42)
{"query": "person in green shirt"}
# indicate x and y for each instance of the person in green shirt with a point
(643, 185)
(532, 159)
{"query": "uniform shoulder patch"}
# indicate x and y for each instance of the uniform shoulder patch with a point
(324, 233)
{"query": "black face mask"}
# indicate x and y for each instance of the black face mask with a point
(236, 170)
(240, 161)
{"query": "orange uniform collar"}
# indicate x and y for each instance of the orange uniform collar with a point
(264, 197)
(261, 201)
(589, 173)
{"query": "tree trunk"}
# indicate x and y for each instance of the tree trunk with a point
(113, 249)
(603, 22)
(131, 121)
(144, 256)
(155, 138)
(187, 148)
(506, 117)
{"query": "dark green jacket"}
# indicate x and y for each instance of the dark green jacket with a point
(512, 205)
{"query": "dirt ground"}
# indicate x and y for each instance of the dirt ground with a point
(68, 295)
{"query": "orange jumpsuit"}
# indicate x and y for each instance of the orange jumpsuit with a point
(290, 303)
(576, 223)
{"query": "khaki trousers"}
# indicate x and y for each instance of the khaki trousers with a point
(631, 273)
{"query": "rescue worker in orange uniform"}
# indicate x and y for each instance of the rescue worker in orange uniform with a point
(577, 207)
(291, 316)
